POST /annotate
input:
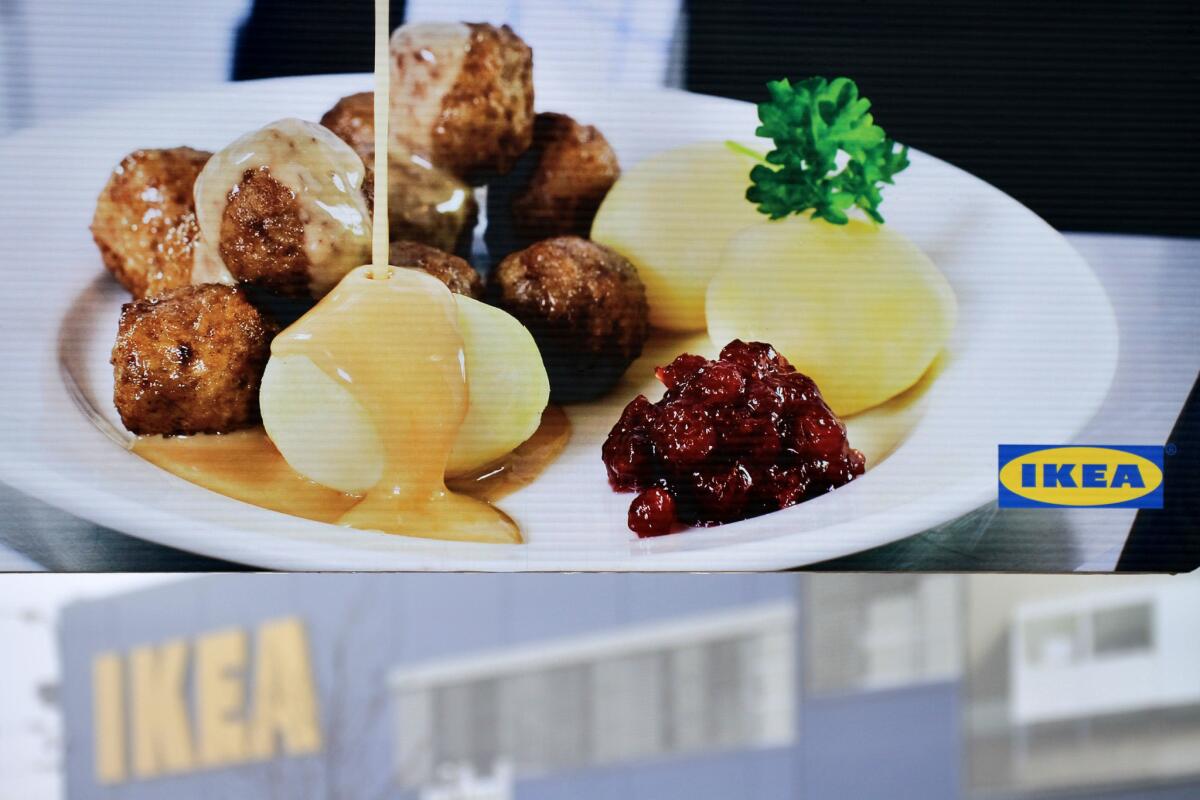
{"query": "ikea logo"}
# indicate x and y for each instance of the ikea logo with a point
(1080, 476)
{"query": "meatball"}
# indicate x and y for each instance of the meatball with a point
(283, 208)
(429, 205)
(459, 276)
(555, 188)
(262, 235)
(145, 221)
(462, 96)
(585, 306)
(576, 168)
(353, 120)
(425, 204)
(190, 361)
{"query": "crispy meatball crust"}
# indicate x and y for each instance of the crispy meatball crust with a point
(145, 221)
(262, 235)
(585, 306)
(554, 189)
(190, 361)
(576, 168)
(488, 135)
(352, 119)
(485, 119)
(459, 276)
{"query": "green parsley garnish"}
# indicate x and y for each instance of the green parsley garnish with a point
(816, 124)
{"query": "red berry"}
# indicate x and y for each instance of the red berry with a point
(717, 383)
(722, 495)
(684, 434)
(681, 369)
(652, 513)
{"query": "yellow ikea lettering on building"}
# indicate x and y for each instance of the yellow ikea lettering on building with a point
(146, 725)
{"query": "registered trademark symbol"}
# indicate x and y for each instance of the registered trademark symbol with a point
(1171, 449)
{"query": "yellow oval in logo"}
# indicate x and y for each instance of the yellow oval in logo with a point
(1081, 476)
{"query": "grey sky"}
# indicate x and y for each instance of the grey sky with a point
(29, 728)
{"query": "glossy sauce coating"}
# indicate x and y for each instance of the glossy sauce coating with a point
(325, 175)
(413, 389)
(437, 51)
(246, 466)
(463, 96)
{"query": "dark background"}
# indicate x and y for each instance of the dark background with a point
(308, 37)
(1085, 112)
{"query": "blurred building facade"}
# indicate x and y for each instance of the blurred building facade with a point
(498, 687)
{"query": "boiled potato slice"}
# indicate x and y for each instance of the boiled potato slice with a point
(671, 215)
(858, 307)
(508, 385)
(317, 425)
(324, 433)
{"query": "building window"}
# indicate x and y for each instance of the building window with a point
(708, 683)
(1062, 640)
(1055, 641)
(1123, 630)
(879, 631)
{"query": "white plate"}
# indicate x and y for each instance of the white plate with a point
(1030, 361)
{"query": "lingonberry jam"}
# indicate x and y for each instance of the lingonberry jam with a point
(731, 439)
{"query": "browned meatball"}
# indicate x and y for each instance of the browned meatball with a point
(353, 120)
(429, 205)
(190, 361)
(262, 235)
(459, 276)
(425, 204)
(556, 187)
(145, 221)
(462, 95)
(585, 306)
(283, 208)
(576, 167)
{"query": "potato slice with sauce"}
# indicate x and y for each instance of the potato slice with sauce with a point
(324, 433)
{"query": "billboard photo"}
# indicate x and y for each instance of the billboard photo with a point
(542, 286)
